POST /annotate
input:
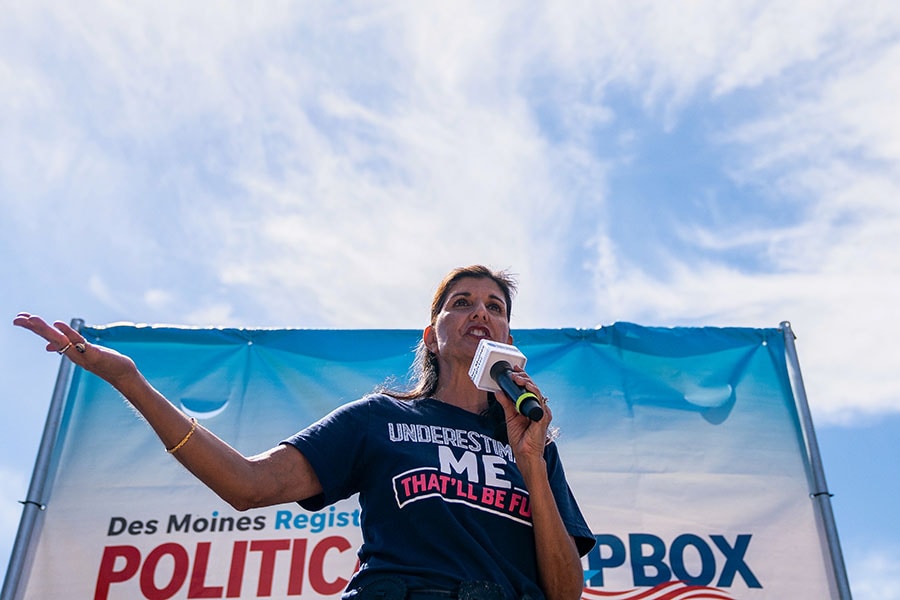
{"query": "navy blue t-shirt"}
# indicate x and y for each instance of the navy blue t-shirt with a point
(442, 500)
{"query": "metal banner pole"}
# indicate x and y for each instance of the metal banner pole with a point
(35, 501)
(819, 493)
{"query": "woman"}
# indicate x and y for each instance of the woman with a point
(451, 508)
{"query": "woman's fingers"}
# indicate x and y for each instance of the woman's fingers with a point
(107, 363)
(61, 338)
(56, 339)
(522, 378)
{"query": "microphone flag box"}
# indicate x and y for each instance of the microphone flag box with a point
(487, 354)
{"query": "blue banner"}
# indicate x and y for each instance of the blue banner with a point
(682, 445)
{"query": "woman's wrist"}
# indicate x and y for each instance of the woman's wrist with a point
(532, 470)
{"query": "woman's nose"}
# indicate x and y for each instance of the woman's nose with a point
(479, 311)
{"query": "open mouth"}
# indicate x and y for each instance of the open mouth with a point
(479, 332)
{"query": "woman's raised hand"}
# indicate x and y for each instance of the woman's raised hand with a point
(527, 438)
(62, 339)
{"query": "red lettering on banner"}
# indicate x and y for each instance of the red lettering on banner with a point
(179, 574)
(108, 573)
(268, 548)
(120, 564)
(198, 588)
(236, 573)
(298, 562)
(317, 566)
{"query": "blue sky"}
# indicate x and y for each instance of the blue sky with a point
(301, 165)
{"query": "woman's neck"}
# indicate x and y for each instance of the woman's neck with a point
(457, 388)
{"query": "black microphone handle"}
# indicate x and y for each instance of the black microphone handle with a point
(526, 402)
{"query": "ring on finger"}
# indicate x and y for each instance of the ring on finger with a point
(80, 347)
(63, 349)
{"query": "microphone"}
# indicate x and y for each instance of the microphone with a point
(490, 371)
(526, 403)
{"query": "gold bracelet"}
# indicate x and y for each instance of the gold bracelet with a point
(178, 446)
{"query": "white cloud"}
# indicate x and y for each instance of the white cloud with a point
(211, 315)
(825, 145)
(834, 148)
(324, 167)
(876, 575)
(158, 299)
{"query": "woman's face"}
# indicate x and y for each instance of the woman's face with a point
(475, 308)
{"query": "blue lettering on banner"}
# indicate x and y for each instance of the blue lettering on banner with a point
(316, 522)
(650, 567)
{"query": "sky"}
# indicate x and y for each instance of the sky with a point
(322, 165)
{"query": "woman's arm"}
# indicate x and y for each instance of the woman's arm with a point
(559, 565)
(279, 475)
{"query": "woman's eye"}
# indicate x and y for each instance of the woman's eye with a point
(461, 302)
